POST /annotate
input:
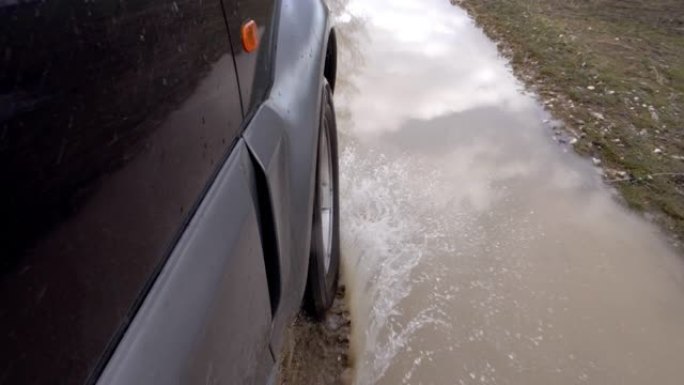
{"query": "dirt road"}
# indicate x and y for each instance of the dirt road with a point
(316, 352)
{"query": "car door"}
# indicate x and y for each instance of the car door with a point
(130, 223)
(208, 316)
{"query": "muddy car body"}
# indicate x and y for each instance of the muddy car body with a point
(160, 187)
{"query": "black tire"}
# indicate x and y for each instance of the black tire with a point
(322, 284)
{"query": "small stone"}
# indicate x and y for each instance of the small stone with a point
(573, 141)
(596, 161)
(657, 151)
(598, 115)
(591, 88)
(333, 322)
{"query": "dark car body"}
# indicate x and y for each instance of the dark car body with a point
(157, 186)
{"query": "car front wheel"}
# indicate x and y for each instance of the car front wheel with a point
(324, 263)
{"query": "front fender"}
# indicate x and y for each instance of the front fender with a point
(282, 136)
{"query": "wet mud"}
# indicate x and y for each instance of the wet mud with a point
(316, 352)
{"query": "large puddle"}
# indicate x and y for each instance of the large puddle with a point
(477, 250)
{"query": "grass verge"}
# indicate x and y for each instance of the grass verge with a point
(613, 72)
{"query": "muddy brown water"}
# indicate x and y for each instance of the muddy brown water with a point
(477, 249)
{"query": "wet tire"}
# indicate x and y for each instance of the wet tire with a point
(324, 258)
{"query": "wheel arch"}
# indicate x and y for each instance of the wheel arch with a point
(330, 66)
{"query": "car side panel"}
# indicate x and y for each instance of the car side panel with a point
(207, 317)
(284, 131)
(280, 140)
(114, 118)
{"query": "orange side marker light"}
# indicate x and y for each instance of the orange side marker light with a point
(250, 36)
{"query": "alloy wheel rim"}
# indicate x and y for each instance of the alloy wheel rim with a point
(325, 194)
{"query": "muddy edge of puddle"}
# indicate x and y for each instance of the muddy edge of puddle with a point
(316, 353)
(613, 115)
